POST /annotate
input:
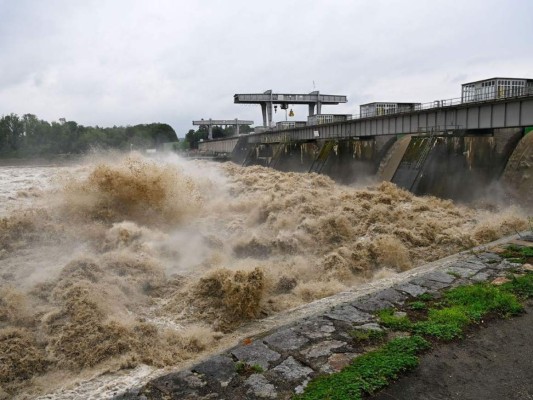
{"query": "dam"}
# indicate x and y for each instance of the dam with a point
(435, 148)
(138, 264)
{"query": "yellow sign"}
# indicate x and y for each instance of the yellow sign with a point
(291, 113)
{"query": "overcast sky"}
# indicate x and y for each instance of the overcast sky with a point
(126, 62)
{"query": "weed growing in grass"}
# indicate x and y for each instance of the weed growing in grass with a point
(367, 335)
(257, 368)
(368, 373)
(418, 305)
(425, 297)
(390, 320)
(242, 368)
(518, 254)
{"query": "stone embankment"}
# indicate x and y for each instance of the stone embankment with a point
(280, 363)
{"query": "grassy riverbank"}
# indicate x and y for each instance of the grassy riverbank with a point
(424, 322)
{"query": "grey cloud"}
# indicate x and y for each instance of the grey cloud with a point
(126, 62)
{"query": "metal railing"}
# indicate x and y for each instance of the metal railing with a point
(495, 93)
(436, 104)
(432, 105)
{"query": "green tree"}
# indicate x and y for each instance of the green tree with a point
(29, 136)
(194, 137)
(218, 132)
(12, 132)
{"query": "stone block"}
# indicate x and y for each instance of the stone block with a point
(315, 328)
(473, 263)
(438, 276)
(371, 304)
(372, 326)
(347, 313)
(261, 387)
(489, 257)
(480, 277)
(462, 272)
(292, 370)
(322, 349)
(391, 295)
(411, 289)
(256, 354)
(336, 362)
(286, 339)
(217, 368)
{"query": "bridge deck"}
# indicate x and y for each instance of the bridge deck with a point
(443, 116)
(501, 113)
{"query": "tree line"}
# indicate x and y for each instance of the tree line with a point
(31, 136)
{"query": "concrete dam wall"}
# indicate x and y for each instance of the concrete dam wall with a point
(460, 165)
(445, 166)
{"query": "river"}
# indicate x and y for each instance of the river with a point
(116, 267)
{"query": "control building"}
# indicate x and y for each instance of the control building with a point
(319, 119)
(377, 109)
(290, 124)
(495, 88)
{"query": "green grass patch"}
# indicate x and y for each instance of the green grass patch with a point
(368, 373)
(527, 251)
(465, 305)
(446, 320)
(480, 299)
(521, 286)
(460, 307)
(444, 324)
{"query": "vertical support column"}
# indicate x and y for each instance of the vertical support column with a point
(318, 107)
(311, 109)
(269, 113)
(237, 130)
(264, 112)
(210, 130)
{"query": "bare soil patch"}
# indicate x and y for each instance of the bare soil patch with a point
(491, 363)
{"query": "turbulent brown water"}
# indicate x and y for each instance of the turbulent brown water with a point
(135, 264)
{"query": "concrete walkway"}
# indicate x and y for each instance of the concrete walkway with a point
(280, 363)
